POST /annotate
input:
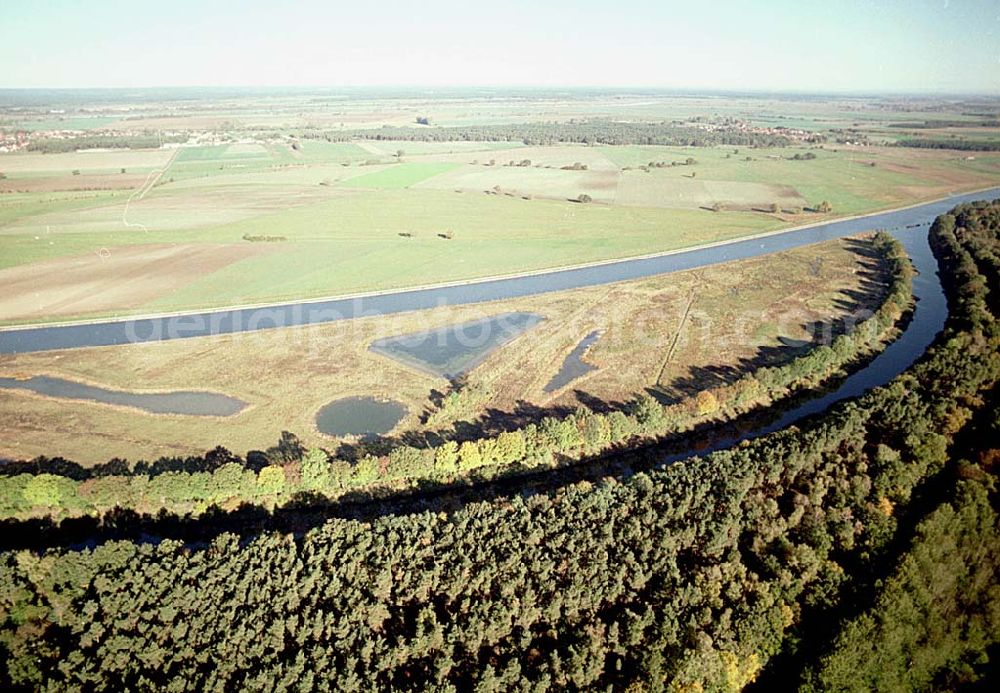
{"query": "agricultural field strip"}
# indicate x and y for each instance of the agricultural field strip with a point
(481, 280)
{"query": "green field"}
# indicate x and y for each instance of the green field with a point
(221, 152)
(448, 211)
(353, 244)
(21, 207)
(840, 176)
(401, 175)
(319, 151)
(216, 160)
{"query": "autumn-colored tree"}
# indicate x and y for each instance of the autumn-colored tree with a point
(706, 403)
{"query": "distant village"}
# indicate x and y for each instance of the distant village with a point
(14, 138)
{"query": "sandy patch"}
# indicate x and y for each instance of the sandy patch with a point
(246, 149)
(111, 279)
(555, 156)
(171, 208)
(372, 148)
(681, 192)
(537, 182)
(73, 183)
(85, 160)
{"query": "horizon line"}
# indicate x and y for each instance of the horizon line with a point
(624, 88)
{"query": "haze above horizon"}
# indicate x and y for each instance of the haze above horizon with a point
(943, 46)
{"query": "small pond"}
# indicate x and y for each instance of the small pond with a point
(189, 403)
(453, 350)
(366, 417)
(574, 366)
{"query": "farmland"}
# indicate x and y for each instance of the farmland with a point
(351, 217)
(402, 175)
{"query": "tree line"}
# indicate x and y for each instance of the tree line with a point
(983, 121)
(609, 132)
(59, 145)
(960, 145)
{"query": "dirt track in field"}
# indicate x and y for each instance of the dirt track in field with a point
(111, 279)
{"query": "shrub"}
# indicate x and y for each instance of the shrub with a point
(48, 490)
(706, 403)
(446, 457)
(469, 456)
(271, 480)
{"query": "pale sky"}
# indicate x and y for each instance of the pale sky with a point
(797, 45)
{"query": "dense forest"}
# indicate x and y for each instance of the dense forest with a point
(58, 145)
(581, 132)
(855, 551)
